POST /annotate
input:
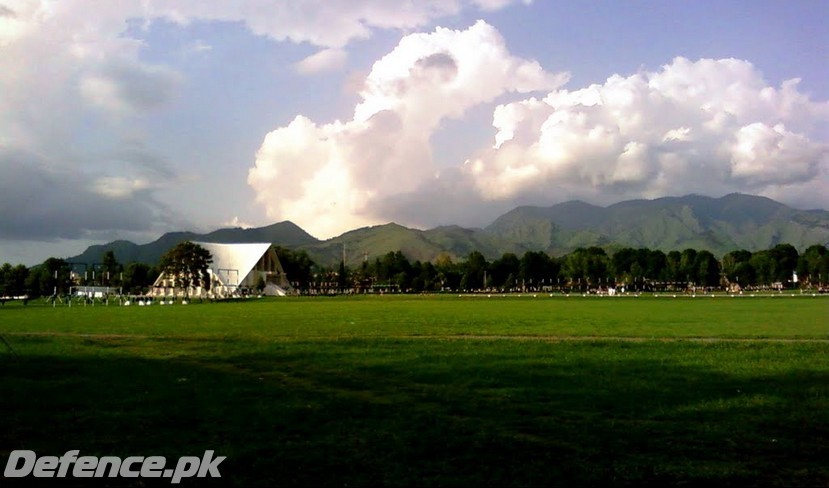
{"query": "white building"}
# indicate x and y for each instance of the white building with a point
(237, 269)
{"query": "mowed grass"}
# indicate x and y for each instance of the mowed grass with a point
(439, 391)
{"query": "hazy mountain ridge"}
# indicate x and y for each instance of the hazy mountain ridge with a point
(720, 225)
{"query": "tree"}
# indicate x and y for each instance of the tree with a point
(5, 278)
(708, 269)
(342, 277)
(17, 280)
(500, 269)
(621, 264)
(186, 264)
(13, 280)
(744, 274)
(111, 269)
(137, 277)
(785, 257)
(448, 274)
(813, 265)
(687, 266)
(428, 275)
(298, 266)
(588, 265)
(535, 267)
(49, 278)
(474, 268)
(395, 269)
(672, 267)
(764, 267)
(656, 265)
(636, 271)
(731, 261)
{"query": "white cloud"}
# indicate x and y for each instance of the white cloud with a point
(326, 23)
(236, 223)
(322, 61)
(66, 72)
(497, 4)
(333, 177)
(118, 187)
(199, 46)
(772, 155)
(710, 127)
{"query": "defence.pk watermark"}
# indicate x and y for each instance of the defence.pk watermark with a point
(23, 463)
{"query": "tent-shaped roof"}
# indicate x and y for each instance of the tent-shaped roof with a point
(234, 261)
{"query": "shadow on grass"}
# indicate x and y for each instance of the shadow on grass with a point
(374, 412)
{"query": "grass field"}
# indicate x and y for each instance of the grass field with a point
(432, 390)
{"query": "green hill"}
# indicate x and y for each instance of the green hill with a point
(283, 233)
(719, 225)
(371, 242)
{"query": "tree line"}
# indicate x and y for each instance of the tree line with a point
(56, 276)
(582, 269)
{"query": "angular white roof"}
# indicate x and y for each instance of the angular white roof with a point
(233, 262)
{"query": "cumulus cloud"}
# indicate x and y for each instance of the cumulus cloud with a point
(710, 127)
(333, 177)
(707, 126)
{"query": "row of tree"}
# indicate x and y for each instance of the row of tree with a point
(186, 262)
(56, 276)
(584, 268)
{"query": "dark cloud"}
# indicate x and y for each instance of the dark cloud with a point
(137, 155)
(130, 87)
(40, 203)
(145, 87)
(438, 61)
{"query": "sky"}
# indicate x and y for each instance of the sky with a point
(125, 119)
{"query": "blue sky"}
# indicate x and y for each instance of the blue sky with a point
(127, 120)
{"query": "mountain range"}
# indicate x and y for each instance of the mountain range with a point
(720, 225)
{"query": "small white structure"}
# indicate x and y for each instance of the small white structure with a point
(236, 270)
(92, 291)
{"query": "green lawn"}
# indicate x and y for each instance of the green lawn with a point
(432, 390)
